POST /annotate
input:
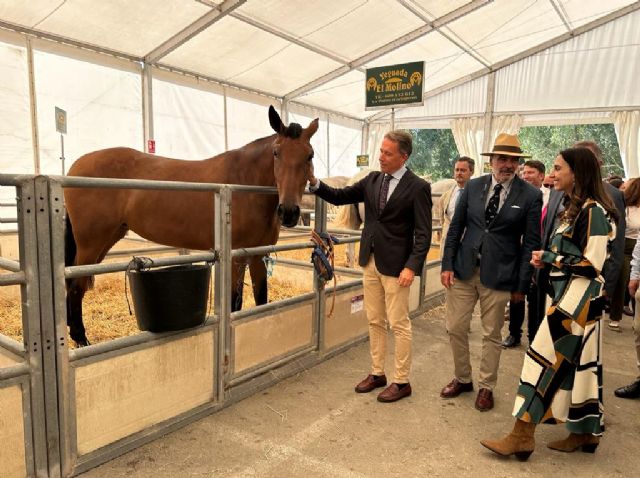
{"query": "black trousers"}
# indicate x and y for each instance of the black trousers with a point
(535, 314)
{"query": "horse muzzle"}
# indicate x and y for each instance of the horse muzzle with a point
(288, 215)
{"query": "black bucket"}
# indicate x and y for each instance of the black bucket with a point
(170, 298)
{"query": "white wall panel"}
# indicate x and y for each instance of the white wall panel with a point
(103, 105)
(188, 121)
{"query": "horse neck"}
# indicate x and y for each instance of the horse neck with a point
(252, 164)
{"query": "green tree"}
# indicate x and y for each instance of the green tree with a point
(544, 143)
(434, 153)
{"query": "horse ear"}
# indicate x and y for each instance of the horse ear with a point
(275, 121)
(311, 129)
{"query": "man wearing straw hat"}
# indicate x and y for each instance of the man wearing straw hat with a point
(486, 257)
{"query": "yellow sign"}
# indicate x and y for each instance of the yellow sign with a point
(362, 160)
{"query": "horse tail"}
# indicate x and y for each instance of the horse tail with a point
(70, 248)
(348, 217)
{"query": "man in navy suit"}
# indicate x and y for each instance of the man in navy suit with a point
(395, 241)
(495, 228)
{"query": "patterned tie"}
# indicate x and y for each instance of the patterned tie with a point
(384, 191)
(492, 208)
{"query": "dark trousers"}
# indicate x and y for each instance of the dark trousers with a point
(535, 313)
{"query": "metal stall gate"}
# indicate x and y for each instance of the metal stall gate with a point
(83, 407)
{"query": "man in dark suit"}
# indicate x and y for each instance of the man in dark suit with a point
(612, 266)
(394, 244)
(495, 228)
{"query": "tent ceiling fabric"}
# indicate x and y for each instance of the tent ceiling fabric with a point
(280, 47)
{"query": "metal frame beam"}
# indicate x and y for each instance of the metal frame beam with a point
(392, 45)
(192, 30)
(534, 50)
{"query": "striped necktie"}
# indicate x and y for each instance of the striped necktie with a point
(492, 208)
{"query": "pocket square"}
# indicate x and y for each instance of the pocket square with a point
(516, 206)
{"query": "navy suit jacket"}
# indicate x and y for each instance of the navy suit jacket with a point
(401, 232)
(505, 245)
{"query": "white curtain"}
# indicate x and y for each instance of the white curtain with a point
(509, 124)
(376, 133)
(468, 134)
(627, 124)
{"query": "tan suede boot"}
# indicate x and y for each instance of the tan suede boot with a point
(519, 442)
(586, 441)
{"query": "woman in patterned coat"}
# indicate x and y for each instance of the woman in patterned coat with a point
(561, 380)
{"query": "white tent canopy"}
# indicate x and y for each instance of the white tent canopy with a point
(195, 75)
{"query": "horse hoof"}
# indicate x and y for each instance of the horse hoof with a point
(82, 343)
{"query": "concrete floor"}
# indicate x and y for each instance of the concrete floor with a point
(314, 425)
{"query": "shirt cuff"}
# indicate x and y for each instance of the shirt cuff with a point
(313, 189)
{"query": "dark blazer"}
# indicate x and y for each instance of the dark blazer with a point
(505, 245)
(613, 265)
(401, 233)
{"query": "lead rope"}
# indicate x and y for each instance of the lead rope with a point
(326, 246)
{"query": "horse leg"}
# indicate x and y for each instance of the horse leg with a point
(238, 267)
(258, 271)
(76, 288)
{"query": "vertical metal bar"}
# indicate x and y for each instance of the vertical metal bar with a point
(147, 105)
(58, 349)
(222, 243)
(30, 292)
(47, 324)
(320, 225)
(33, 107)
(365, 139)
(488, 120)
(328, 146)
(226, 123)
(393, 119)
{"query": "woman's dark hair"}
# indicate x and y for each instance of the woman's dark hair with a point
(588, 183)
(632, 192)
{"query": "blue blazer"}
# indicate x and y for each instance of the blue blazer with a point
(505, 245)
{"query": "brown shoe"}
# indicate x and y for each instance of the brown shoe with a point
(370, 383)
(394, 393)
(455, 388)
(484, 400)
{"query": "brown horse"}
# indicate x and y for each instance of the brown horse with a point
(98, 218)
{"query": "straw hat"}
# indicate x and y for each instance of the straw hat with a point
(507, 145)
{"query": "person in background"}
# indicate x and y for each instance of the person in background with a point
(548, 182)
(495, 228)
(633, 389)
(395, 242)
(533, 173)
(561, 379)
(613, 266)
(631, 191)
(616, 181)
(462, 172)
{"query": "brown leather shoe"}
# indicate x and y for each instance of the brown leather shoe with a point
(370, 383)
(455, 388)
(394, 393)
(484, 400)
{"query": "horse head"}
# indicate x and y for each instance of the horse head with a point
(292, 165)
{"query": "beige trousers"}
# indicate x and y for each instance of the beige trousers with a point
(386, 302)
(636, 329)
(460, 302)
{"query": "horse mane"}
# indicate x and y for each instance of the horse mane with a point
(348, 216)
